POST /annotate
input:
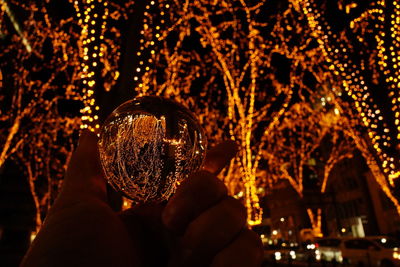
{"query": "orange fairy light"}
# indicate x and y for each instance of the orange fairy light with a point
(224, 61)
(354, 82)
(90, 60)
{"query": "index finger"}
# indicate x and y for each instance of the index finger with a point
(219, 156)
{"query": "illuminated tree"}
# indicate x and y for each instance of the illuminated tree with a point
(237, 65)
(363, 52)
(250, 70)
(38, 60)
(44, 87)
(309, 140)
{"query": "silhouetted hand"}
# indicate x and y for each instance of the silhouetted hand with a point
(199, 226)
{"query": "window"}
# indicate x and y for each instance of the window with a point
(329, 242)
(388, 242)
(359, 244)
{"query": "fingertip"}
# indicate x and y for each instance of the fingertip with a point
(219, 156)
(233, 145)
(84, 165)
(87, 138)
(228, 147)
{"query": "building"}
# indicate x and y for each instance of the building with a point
(353, 205)
(286, 213)
(358, 205)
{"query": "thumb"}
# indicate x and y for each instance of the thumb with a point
(84, 177)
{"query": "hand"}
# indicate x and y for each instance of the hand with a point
(199, 226)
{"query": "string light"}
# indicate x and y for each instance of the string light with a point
(42, 63)
(91, 52)
(389, 58)
(230, 75)
(240, 108)
(239, 84)
(354, 82)
(17, 27)
(154, 17)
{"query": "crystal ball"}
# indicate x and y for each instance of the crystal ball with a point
(149, 145)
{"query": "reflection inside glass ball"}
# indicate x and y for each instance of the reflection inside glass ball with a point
(148, 145)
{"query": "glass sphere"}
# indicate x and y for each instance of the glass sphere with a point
(148, 145)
